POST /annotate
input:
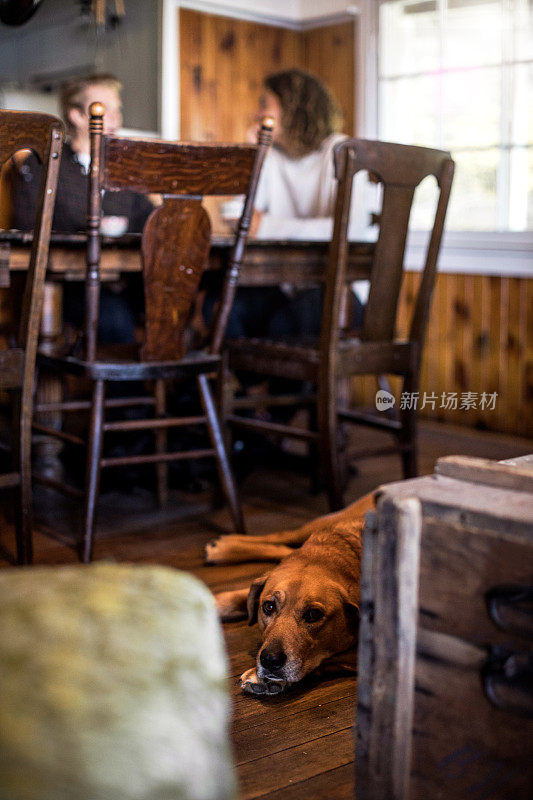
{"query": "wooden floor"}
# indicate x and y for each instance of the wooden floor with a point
(299, 745)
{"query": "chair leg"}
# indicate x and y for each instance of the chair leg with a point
(226, 476)
(92, 479)
(408, 433)
(161, 443)
(225, 398)
(327, 426)
(409, 446)
(224, 391)
(410, 462)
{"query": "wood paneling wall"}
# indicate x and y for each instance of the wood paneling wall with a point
(479, 339)
(329, 52)
(223, 62)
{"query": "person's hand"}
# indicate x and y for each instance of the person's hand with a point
(257, 216)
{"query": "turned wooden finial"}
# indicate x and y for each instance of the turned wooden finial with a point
(96, 116)
(265, 132)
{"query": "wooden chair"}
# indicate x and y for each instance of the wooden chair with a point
(175, 248)
(341, 352)
(43, 134)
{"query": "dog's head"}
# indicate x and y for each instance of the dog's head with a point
(305, 618)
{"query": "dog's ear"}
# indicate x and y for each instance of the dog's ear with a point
(253, 598)
(351, 609)
(352, 615)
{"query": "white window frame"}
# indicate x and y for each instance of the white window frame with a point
(505, 253)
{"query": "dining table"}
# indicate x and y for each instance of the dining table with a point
(266, 262)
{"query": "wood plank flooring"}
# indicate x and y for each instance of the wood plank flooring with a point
(299, 745)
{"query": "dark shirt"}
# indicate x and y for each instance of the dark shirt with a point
(70, 214)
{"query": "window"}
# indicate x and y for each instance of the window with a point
(458, 75)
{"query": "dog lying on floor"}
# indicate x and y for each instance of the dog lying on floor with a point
(308, 606)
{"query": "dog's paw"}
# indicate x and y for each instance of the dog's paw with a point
(251, 683)
(231, 606)
(215, 551)
(231, 548)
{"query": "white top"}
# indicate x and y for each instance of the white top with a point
(297, 196)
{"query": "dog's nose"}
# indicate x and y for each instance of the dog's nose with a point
(272, 660)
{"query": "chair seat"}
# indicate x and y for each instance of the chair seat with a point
(118, 364)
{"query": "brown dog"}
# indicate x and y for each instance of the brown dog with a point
(308, 606)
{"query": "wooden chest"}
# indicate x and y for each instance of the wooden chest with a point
(445, 693)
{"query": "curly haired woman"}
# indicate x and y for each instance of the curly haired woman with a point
(296, 196)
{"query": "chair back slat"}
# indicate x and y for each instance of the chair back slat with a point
(387, 269)
(191, 169)
(175, 249)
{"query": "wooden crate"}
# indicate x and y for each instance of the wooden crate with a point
(445, 690)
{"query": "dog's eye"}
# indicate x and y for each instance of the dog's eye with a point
(313, 615)
(268, 607)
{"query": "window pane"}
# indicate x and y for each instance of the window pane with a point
(522, 113)
(424, 205)
(409, 111)
(520, 188)
(530, 190)
(473, 203)
(473, 33)
(472, 108)
(523, 29)
(409, 38)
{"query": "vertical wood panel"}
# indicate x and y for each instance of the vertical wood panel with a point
(460, 376)
(502, 353)
(329, 53)
(480, 340)
(493, 361)
(443, 321)
(527, 360)
(514, 347)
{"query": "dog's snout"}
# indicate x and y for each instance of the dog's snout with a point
(272, 659)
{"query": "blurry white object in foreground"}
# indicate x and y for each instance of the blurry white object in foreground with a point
(113, 686)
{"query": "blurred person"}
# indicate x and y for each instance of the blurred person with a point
(121, 302)
(295, 200)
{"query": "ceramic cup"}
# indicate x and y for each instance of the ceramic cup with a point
(114, 226)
